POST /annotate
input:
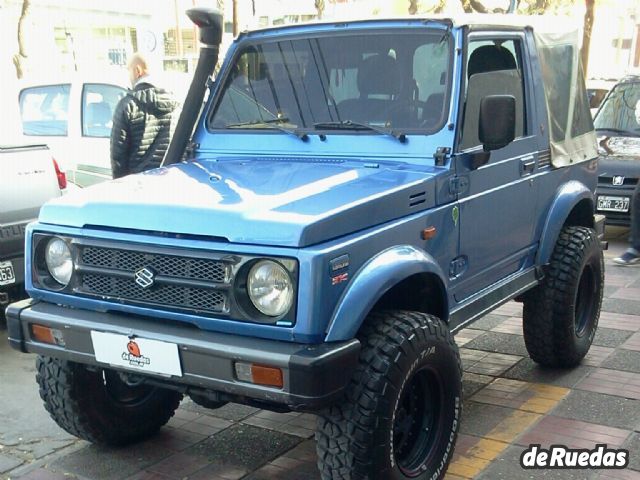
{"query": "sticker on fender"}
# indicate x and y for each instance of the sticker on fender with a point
(140, 354)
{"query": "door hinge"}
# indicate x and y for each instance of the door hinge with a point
(458, 185)
(440, 157)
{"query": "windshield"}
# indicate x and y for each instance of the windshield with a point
(620, 112)
(398, 80)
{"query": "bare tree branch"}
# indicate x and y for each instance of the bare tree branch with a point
(20, 57)
(319, 4)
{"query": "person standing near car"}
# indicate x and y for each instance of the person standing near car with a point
(632, 254)
(143, 122)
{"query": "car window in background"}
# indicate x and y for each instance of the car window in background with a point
(45, 110)
(620, 112)
(98, 103)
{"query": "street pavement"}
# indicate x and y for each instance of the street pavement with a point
(510, 403)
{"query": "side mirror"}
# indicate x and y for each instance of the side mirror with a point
(497, 124)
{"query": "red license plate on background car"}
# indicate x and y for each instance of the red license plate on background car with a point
(613, 204)
(7, 275)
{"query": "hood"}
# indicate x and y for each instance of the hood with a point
(619, 156)
(153, 100)
(278, 202)
(623, 147)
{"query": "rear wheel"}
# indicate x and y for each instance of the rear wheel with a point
(98, 406)
(401, 412)
(560, 316)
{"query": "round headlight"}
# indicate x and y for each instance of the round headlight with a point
(59, 262)
(270, 288)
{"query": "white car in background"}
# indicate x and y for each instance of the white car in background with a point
(73, 115)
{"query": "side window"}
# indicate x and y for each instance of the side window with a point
(98, 103)
(494, 67)
(45, 110)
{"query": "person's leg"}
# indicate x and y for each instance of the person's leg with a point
(634, 239)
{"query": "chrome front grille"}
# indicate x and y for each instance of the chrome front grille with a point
(180, 282)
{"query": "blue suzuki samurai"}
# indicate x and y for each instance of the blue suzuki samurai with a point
(349, 197)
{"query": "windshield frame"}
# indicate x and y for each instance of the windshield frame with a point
(248, 42)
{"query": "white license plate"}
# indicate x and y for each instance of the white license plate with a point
(7, 275)
(140, 354)
(613, 204)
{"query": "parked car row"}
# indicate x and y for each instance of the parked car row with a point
(29, 176)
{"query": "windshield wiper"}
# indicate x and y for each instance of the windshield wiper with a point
(619, 131)
(351, 125)
(271, 123)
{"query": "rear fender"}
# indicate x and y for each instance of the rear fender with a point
(372, 281)
(569, 195)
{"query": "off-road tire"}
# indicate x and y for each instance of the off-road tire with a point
(355, 438)
(80, 402)
(560, 316)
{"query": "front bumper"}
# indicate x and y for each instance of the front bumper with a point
(314, 375)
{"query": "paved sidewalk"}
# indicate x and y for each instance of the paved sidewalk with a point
(509, 403)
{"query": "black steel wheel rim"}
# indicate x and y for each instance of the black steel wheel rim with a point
(417, 423)
(123, 395)
(586, 298)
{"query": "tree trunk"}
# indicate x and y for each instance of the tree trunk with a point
(441, 5)
(477, 6)
(466, 6)
(586, 36)
(235, 18)
(541, 6)
(19, 59)
(319, 8)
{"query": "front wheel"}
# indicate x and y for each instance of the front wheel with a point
(401, 412)
(98, 406)
(560, 316)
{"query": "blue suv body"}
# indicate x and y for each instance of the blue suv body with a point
(351, 189)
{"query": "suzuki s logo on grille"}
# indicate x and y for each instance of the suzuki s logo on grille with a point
(145, 277)
(618, 180)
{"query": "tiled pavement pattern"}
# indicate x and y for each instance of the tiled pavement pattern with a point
(510, 403)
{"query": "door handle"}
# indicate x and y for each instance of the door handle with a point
(527, 167)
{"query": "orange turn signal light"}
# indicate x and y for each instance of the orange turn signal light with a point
(428, 233)
(269, 376)
(259, 374)
(42, 334)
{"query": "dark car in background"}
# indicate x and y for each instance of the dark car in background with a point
(618, 127)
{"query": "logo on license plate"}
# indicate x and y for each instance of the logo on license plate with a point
(134, 356)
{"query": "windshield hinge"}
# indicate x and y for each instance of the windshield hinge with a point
(441, 155)
(458, 185)
(190, 151)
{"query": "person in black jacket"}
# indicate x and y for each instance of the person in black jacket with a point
(143, 122)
